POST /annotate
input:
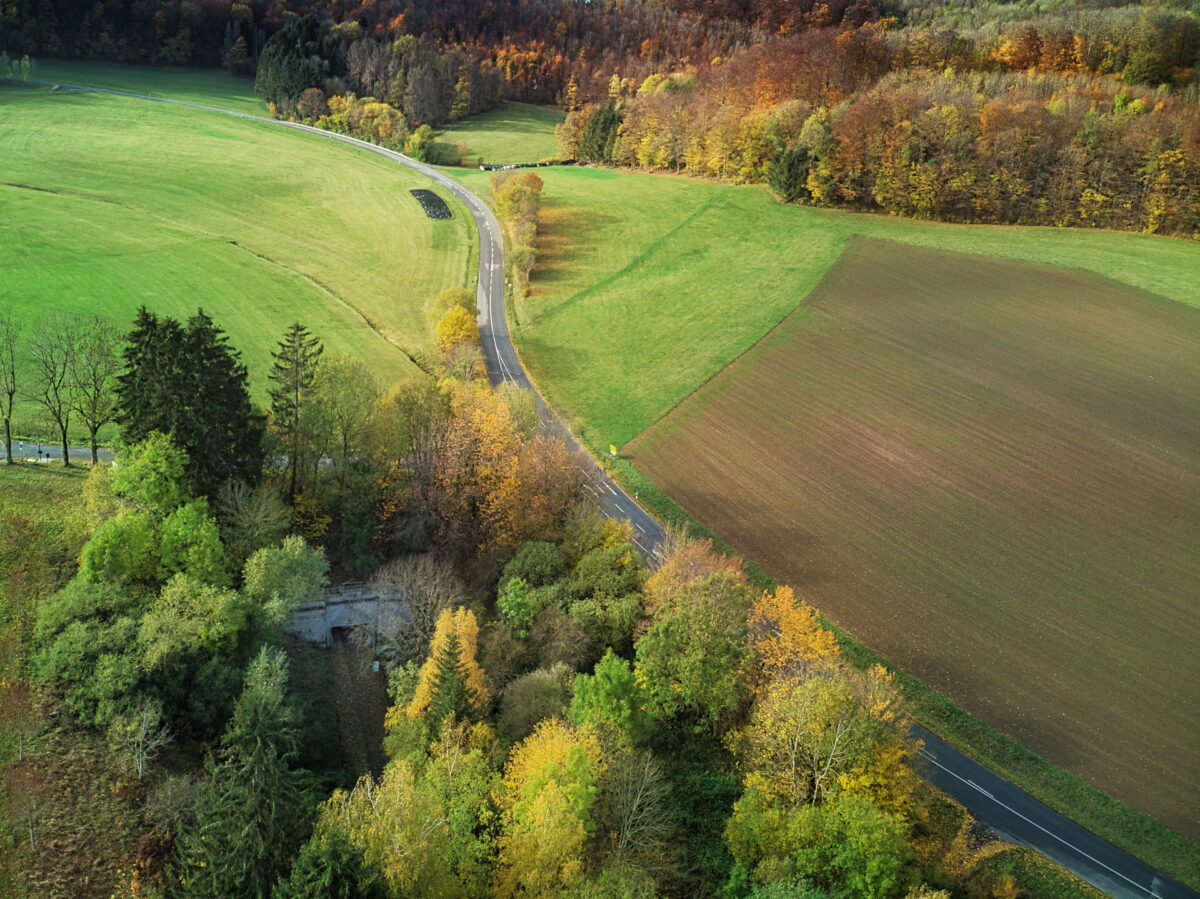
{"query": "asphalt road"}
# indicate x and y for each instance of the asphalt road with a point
(1011, 812)
(1019, 818)
(51, 454)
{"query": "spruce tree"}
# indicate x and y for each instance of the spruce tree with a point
(190, 384)
(250, 811)
(146, 388)
(331, 867)
(788, 177)
(449, 693)
(292, 377)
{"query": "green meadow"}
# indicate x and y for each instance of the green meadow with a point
(516, 132)
(207, 87)
(648, 286)
(112, 203)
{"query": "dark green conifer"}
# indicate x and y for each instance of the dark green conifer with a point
(292, 377)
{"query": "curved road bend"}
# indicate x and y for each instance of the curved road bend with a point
(1011, 812)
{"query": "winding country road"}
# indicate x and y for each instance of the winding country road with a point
(1011, 812)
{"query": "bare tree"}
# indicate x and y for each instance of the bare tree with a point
(52, 348)
(139, 736)
(18, 710)
(425, 587)
(26, 796)
(10, 337)
(94, 366)
(635, 813)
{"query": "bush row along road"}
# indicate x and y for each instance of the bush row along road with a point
(1011, 812)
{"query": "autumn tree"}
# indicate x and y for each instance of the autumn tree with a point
(809, 738)
(847, 847)
(425, 825)
(451, 680)
(685, 559)
(475, 468)
(547, 800)
(456, 327)
(293, 378)
(787, 637)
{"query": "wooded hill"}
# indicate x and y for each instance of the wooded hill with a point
(1083, 115)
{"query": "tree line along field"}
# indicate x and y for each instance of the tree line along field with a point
(990, 473)
(112, 202)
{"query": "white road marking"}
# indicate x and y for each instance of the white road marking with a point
(1048, 833)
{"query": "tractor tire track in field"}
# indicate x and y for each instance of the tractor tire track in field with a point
(986, 796)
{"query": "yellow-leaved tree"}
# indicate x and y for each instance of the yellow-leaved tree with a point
(787, 638)
(546, 802)
(836, 732)
(425, 825)
(476, 467)
(451, 681)
(456, 327)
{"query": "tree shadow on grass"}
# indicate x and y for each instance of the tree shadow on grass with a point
(564, 241)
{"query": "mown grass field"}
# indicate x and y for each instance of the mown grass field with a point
(990, 473)
(516, 132)
(208, 87)
(111, 203)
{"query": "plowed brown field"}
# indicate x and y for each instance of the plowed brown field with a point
(990, 473)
